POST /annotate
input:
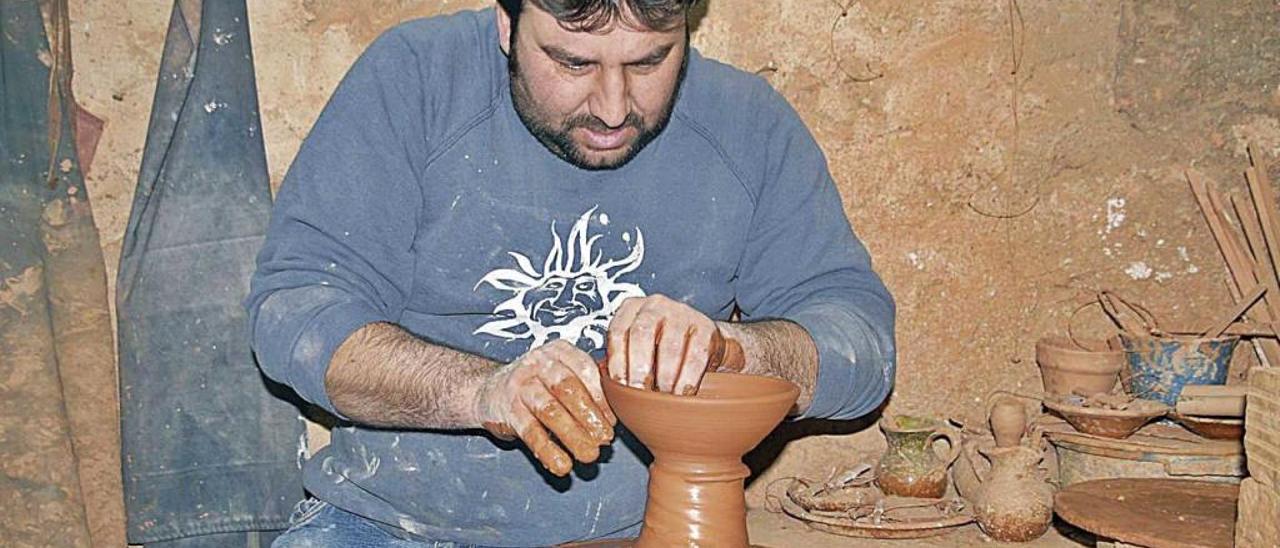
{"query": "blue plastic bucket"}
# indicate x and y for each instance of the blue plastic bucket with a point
(1160, 366)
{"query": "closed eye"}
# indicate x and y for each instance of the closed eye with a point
(575, 66)
(653, 59)
(566, 60)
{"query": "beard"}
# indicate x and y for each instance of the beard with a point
(558, 137)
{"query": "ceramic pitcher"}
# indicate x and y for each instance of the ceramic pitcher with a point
(912, 467)
(1014, 502)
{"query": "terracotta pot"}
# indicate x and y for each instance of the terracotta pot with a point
(911, 467)
(1014, 502)
(696, 479)
(1067, 369)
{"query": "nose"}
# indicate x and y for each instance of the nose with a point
(609, 101)
(564, 297)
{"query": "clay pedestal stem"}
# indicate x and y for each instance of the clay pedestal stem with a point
(698, 501)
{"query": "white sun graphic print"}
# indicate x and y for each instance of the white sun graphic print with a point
(572, 297)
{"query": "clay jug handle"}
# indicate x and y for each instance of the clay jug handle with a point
(952, 441)
(981, 465)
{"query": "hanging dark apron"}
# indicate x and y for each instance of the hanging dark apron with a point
(210, 453)
(59, 437)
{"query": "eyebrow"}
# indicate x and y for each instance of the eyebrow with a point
(565, 56)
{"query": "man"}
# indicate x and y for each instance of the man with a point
(490, 201)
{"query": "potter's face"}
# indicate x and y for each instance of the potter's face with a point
(595, 99)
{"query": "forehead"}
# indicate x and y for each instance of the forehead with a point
(622, 37)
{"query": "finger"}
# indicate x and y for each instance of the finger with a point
(557, 419)
(672, 342)
(573, 397)
(616, 351)
(552, 457)
(568, 389)
(642, 341)
(695, 361)
(581, 364)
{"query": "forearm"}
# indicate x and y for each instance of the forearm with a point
(384, 376)
(778, 348)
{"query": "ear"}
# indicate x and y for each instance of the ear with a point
(504, 28)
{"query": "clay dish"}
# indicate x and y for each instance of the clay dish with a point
(917, 520)
(1109, 423)
(1211, 427)
(1066, 368)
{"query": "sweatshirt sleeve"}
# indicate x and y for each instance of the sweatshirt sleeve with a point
(337, 254)
(802, 263)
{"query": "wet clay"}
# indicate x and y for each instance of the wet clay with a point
(910, 467)
(1014, 502)
(572, 417)
(696, 479)
(574, 396)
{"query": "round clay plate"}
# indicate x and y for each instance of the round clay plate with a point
(915, 528)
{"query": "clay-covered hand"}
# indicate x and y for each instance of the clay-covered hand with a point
(551, 390)
(658, 343)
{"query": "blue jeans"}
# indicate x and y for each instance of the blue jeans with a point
(318, 524)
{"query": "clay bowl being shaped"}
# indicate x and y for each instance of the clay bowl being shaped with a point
(1108, 423)
(1067, 369)
(730, 414)
(696, 479)
(1211, 427)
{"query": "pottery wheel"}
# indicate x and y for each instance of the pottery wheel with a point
(1153, 512)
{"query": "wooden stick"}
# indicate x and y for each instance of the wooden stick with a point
(1257, 244)
(1216, 400)
(1262, 271)
(1252, 230)
(1264, 202)
(1238, 265)
(1269, 349)
(1241, 272)
(1267, 217)
(1244, 305)
(1239, 329)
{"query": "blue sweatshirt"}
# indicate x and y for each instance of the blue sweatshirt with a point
(419, 198)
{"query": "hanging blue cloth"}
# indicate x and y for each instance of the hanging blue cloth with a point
(211, 452)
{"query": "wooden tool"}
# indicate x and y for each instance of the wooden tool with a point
(1212, 400)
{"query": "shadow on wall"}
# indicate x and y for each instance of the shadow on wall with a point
(765, 454)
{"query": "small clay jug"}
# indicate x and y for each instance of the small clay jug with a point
(1008, 422)
(1014, 503)
(911, 467)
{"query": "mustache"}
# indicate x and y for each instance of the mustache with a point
(592, 123)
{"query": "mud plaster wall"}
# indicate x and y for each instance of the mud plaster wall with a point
(987, 227)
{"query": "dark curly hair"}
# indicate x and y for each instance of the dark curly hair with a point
(594, 15)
